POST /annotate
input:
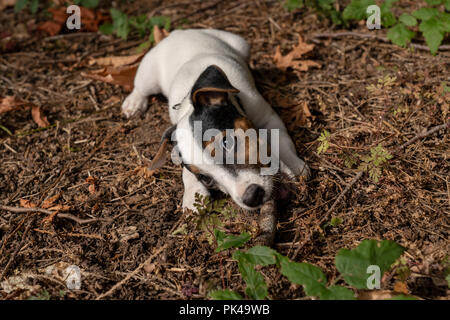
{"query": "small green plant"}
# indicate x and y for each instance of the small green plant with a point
(353, 266)
(122, 24)
(207, 218)
(350, 158)
(22, 4)
(373, 163)
(434, 23)
(383, 84)
(324, 142)
(87, 3)
(43, 295)
(324, 7)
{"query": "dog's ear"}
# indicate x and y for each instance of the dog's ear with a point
(160, 158)
(211, 87)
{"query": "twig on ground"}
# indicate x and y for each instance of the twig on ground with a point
(343, 193)
(423, 135)
(60, 215)
(372, 36)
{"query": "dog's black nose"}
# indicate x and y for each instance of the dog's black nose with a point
(253, 195)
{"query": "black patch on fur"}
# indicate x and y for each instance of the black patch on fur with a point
(212, 79)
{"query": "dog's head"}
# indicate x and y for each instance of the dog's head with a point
(217, 142)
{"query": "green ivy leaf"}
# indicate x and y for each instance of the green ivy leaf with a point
(356, 10)
(106, 28)
(338, 293)
(426, 13)
(352, 264)
(311, 277)
(261, 255)
(400, 35)
(387, 17)
(445, 19)
(408, 20)
(230, 241)
(256, 286)
(433, 32)
(225, 295)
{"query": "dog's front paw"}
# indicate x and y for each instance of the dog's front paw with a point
(135, 103)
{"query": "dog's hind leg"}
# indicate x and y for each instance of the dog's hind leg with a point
(146, 83)
(191, 187)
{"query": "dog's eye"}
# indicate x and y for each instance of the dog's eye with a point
(206, 180)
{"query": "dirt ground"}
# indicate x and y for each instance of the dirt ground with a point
(127, 218)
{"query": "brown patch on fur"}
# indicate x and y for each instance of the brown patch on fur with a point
(193, 169)
(210, 96)
(242, 123)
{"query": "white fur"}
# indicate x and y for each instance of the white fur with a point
(173, 66)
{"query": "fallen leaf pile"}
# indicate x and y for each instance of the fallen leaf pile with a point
(90, 20)
(291, 60)
(120, 70)
(10, 103)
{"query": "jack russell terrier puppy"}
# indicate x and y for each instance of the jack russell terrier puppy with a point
(213, 103)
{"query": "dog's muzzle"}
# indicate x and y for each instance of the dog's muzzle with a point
(253, 195)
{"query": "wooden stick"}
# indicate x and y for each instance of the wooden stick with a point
(60, 215)
(424, 134)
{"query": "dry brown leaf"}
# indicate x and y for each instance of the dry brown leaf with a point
(49, 218)
(91, 180)
(122, 76)
(92, 189)
(90, 20)
(27, 204)
(38, 117)
(278, 100)
(401, 287)
(9, 103)
(117, 61)
(50, 201)
(144, 172)
(291, 59)
(50, 27)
